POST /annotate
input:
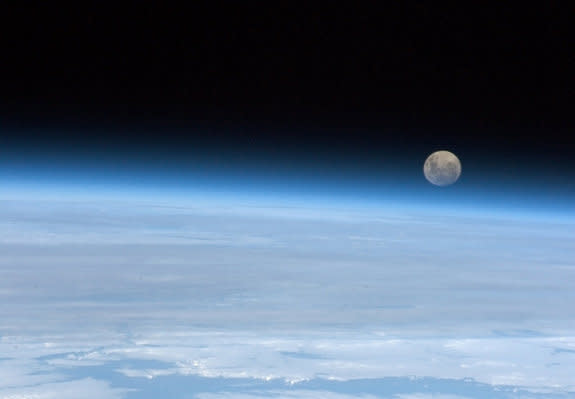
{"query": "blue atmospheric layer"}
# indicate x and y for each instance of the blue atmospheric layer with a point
(280, 183)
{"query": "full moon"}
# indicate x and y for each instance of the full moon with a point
(442, 168)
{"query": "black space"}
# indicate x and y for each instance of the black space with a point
(293, 81)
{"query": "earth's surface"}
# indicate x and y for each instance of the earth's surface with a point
(110, 299)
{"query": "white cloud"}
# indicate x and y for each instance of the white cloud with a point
(24, 372)
(522, 362)
(86, 389)
(428, 396)
(299, 394)
(536, 363)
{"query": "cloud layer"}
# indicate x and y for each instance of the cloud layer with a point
(279, 294)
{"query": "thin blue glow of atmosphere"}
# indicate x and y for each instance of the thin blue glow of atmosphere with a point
(250, 187)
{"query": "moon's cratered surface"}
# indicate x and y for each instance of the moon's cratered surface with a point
(442, 168)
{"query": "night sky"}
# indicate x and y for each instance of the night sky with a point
(298, 98)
